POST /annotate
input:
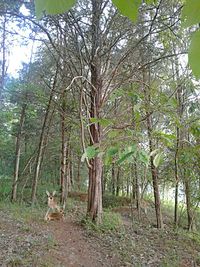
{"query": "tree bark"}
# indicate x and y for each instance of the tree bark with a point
(137, 191)
(40, 149)
(3, 65)
(78, 175)
(17, 154)
(190, 215)
(118, 181)
(63, 169)
(94, 209)
(113, 179)
(155, 179)
(151, 148)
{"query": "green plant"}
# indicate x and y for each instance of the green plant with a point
(111, 201)
(111, 221)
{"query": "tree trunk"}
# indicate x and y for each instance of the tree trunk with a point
(137, 191)
(17, 154)
(113, 179)
(190, 215)
(78, 175)
(94, 209)
(3, 61)
(63, 169)
(176, 185)
(40, 149)
(118, 181)
(154, 171)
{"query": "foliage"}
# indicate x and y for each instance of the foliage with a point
(128, 8)
(111, 201)
(111, 222)
(52, 7)
(190, 17)
(194, 54)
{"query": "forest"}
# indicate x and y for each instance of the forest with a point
(99, 110)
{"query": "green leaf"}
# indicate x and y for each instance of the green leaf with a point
(52, 7)
(194, 54)
(157, 159)
(195, 130)
(112, 151)
(128, 8)
(104, 122)
(129, 151)
(191, 13)
(125, 156)
(90, 152)
(150, 1)
(143, 157)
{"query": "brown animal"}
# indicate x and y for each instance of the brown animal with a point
(55, 216)
(79, 196)
(52, 204)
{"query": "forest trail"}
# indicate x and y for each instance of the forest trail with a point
(74, 248)
(26, 240)
(29, 241)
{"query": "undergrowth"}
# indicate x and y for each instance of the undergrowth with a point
(110, 222)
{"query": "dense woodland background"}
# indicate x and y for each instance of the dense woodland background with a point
(103, 106)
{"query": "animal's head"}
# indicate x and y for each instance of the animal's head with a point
(50, 195)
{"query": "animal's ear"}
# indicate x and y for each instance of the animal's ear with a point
(48, 194)
(54, 192)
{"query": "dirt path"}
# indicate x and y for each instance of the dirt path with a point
(31, 242)
(74, 249)
(27, 241)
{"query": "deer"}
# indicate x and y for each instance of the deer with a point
(55, 216)
(52, 204)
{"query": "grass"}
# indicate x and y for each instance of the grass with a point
(110, 222)
(22, 212)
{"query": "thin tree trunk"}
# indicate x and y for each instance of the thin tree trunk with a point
(177, 182)
(78, 175)
(190, 215)
(3, 65)
(40, 149)
(17, 154)
(118, 181)
(155, 181)
(71, 167)
(63, 169)
(113, 179)
(175, 67)
(153, 168)
(137, 191)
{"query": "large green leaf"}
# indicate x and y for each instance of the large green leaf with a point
(102, 121)
(150, 1)
(191, 13)
(110, 153)
(194, 54)
(157, 159)
(125, 156)
(129, 151)
(52, 7)
(90, 152)
(128, 8)
(143, 157)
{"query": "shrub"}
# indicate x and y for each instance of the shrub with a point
(111, 201)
